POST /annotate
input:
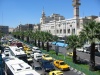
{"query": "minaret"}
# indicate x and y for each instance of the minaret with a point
(43, 16)
(76, 5)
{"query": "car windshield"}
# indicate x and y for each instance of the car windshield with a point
(29, 50)
(36, 49)
(6, 51)
(38, 56)
(40, 52)
(38, 68)
(62, 63)
(59, 73)
(47, 56)
(47, 63)
(60, 41)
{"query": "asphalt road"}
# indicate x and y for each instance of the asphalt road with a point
(65, 72)
(82, 55)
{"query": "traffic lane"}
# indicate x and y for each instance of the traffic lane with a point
(65, 72)
(86, 56)
(61, 49)
(82, 55)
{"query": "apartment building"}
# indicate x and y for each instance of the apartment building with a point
(4, 29)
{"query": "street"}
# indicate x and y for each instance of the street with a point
(82, 55)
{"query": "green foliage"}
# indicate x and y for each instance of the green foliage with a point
(55, 38)
(73, 41)
(90, 31)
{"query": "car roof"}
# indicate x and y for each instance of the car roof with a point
(35, 47)
(36, 65)
(57, 71)
(60, 60)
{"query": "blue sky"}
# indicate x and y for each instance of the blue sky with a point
(12, 12)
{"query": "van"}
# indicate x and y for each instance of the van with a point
(37, 56)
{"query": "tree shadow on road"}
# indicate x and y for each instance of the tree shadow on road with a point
(97, 67)
(81, 61)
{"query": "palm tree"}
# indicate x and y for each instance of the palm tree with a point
(48, 37)
(38, 36)
(17, 34)
(55, 38)
(73, 42)
(22, 35)
(91, 32)
(34, 38)
(42, 39)
(27, 35)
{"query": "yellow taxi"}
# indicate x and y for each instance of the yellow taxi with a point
(56, 72)
(26, 48)
(29, 51)
(70, 53)
(61, 65)
(47, 57)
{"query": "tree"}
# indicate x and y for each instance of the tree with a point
(73, 42)
(22, 35)
(55, 38)
(48, 37)
(27, 34)
(43, 39)
(91, 32)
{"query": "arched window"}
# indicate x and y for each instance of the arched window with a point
(68, 30)
(73, 31)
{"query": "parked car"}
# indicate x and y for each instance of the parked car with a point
(70, 53)
(47, 57)
(60, 43)
(56, 72)
(61, 65)
(47, 65)
(80, 49)
(38, 69)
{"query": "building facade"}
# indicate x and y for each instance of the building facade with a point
(11, 30)
(4, 29)
(24, 27)
(33, 27)
(46, 19)
(62, 27)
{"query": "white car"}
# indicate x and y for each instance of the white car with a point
(38, 51)
(6, 52)
(35, 49)
(80, 49)
(37, 56)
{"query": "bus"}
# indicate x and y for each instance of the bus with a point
(60, 43)
(17, 52)
(15, 66)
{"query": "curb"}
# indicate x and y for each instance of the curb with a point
(77, 71)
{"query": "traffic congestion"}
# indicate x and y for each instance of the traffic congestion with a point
(40, 62)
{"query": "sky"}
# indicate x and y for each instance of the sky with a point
(15, 12)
